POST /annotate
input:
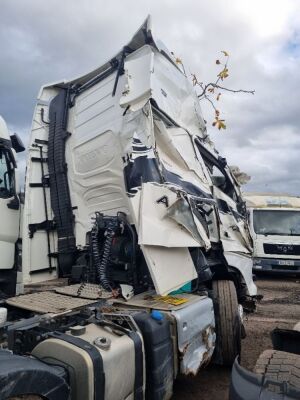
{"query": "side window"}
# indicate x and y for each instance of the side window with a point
(218, 172)
(220, 180)
(7, 174)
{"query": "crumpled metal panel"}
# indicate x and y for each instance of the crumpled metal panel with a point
(156, 228)
(243, 263)
(170, 268)
(179, 101)
(195, 334)
(181, 212)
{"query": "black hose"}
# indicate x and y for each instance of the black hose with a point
(122, 218)
(102, 266)
(101, 263)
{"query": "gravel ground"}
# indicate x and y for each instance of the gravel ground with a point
(280, 307)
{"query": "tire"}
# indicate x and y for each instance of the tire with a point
(26, 397)
(279, 366)
(228, 322)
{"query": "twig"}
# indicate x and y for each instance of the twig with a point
(216, 86)
(211, 102)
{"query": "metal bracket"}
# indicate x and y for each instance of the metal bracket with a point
(41, 141)
(45, 183)
(38, 159)
(41, 226)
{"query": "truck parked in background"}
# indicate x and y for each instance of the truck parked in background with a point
(275, 230)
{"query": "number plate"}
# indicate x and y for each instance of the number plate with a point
(286, 262)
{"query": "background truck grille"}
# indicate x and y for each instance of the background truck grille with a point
(287, 249)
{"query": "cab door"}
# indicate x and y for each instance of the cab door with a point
(9, 208)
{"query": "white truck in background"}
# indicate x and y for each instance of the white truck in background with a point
(275, 229)
(10, 212)
(129, 203)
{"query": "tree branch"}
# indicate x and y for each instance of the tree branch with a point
(216, 86)
(209, 89)
(211, 102)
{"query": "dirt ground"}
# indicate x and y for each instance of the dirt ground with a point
(280, 307)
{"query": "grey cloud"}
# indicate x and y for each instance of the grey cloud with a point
(47, 41)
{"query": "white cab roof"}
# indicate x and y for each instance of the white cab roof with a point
(271, 200)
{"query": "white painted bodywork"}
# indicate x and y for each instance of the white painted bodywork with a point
(110, 133)
(9, 226)
(195, 335)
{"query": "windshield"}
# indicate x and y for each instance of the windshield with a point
(276, 222)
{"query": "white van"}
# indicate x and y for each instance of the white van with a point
(275, 229)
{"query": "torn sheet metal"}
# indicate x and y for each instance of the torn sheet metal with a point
(196, 335)
(243, 263)
(139, 126)
(170, 268)
(137, 91)
(182, 213)
(174, 147)
(233, 228)
(156, 226)
(164, 240)
(150, 74)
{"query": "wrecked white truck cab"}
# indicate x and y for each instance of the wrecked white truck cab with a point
(125, 190)
(129, 138)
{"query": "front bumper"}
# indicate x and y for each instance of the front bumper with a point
(277, 265)
(246, 385)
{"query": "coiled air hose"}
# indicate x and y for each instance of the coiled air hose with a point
(101, 263)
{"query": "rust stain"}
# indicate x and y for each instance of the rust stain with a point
(205, 336)
(185, 349)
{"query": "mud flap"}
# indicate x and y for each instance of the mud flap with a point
(246, 385)
(25, 375)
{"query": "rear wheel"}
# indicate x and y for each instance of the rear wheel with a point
(279, 366)
(228, 322)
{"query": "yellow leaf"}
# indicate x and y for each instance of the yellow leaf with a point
(223, 74)
(225, 53)
(178, 60)
(220, 124)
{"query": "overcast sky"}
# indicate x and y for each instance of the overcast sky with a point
(43, 41)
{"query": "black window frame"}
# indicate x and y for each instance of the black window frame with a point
(11, 166)
(210, 161)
